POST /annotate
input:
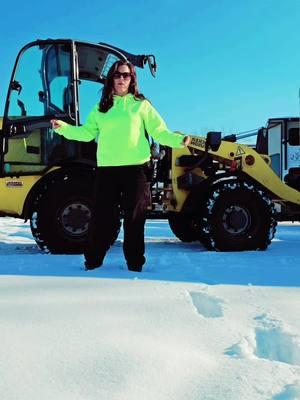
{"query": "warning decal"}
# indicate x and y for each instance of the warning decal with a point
(239, 151)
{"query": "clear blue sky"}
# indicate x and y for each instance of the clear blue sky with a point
(222, 65)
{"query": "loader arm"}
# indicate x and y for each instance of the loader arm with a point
(252, 164)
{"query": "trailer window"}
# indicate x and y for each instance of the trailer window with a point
(294, 137)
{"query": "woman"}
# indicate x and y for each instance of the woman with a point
(118, 124)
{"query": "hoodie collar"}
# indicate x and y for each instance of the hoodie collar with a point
(120, 98)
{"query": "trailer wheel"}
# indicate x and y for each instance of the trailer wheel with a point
(239, 216)
(183, 226)
(60, 219)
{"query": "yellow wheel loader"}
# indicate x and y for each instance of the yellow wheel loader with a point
(223, 193)
(229, 196)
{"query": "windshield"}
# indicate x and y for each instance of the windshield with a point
(42, 82)
(94, 63)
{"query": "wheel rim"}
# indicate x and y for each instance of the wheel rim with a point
(75, 219)
(236, 219)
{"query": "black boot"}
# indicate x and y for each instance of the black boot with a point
(90, 266)
(135, 268)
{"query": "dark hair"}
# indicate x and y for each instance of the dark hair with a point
(107, 100)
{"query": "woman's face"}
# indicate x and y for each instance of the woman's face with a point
(122, 79)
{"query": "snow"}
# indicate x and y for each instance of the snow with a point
(193, 325)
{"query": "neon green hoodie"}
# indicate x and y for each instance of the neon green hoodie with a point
(120, 132)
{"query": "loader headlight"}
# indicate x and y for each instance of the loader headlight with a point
(249, 160)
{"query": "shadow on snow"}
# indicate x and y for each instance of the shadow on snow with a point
(168, 259)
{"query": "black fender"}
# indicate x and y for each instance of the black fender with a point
(78, 170)
(199, 193)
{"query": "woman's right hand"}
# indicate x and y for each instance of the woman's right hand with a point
(55, 124)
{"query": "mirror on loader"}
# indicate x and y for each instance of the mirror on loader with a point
(152, 64)
(139, 61)
(213, 140)
(59, 79)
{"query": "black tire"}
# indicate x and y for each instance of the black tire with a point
(183, 226)
(61, 215)
(238, 216)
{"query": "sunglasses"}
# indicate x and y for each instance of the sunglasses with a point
(126, 75)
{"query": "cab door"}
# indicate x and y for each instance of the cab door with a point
(54, 79)
(41, 88)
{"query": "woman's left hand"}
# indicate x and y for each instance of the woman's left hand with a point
(186, 140)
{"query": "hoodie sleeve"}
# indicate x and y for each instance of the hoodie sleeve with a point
(156, 127)
(85, 133)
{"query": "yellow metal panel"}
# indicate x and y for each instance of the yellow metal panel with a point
(13, 193)
(20, 169)
(263, 174)
(179, 194)
(17, 149)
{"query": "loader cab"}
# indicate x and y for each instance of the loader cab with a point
(54, 79)
(281, 141)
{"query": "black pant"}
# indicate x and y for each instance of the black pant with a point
(118, 188)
